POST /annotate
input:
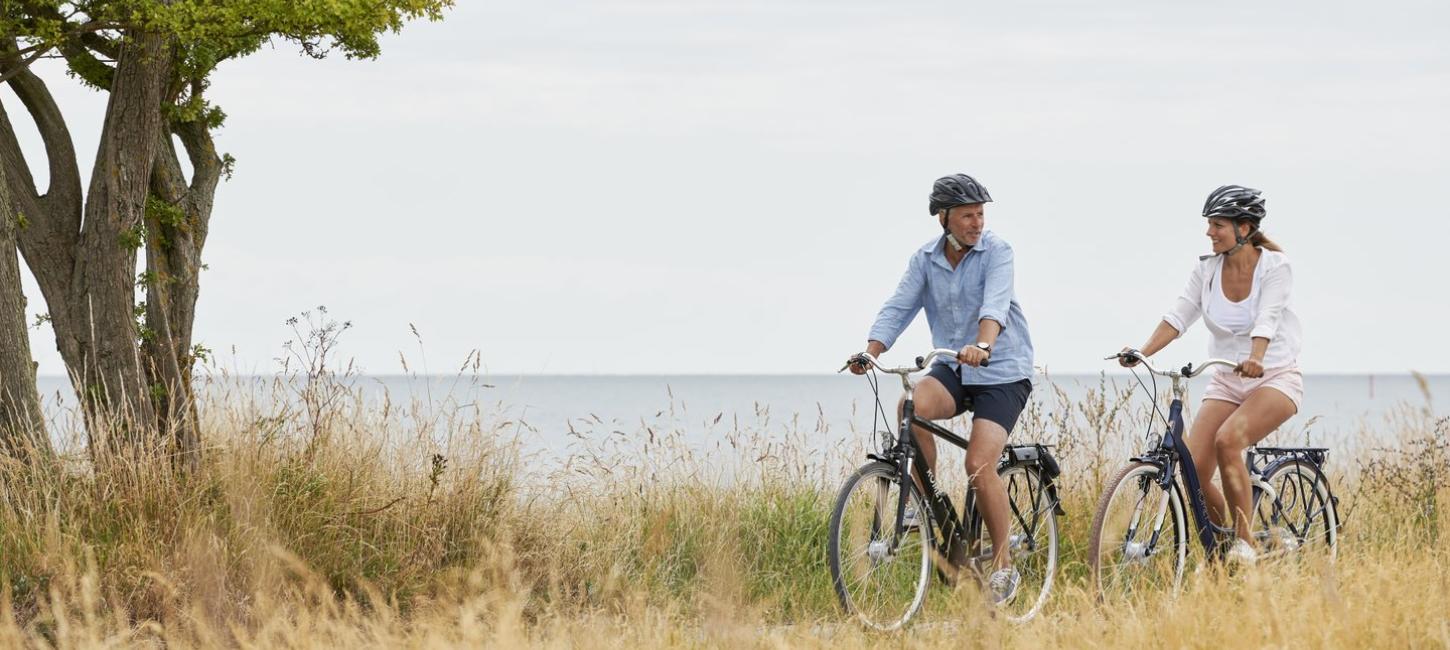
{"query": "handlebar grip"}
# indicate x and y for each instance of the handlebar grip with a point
(921, 363)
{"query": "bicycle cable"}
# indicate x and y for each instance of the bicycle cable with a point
(880, 410)
(1152, 397)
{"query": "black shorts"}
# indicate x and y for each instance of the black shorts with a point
(1000, 403)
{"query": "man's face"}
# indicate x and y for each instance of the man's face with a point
(966, 222)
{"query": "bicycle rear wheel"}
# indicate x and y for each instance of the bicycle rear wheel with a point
(1032, 541)
(1301, 513)
(879, 576)
(1139, 538)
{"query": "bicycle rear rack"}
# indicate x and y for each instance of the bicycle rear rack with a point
(1314, 455)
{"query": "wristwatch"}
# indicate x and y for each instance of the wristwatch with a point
(985, 347)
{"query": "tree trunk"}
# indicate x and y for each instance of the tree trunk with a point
(177, 224)
(102, 298)
(22, 426)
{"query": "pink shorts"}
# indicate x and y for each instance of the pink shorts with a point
(1230, 387)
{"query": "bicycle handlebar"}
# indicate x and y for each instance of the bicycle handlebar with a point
(1189, 371)
(921, 362)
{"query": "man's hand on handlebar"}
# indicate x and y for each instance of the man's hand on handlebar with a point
(973, 356)
(858, 364)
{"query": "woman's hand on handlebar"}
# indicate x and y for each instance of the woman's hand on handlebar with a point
(1128, 357)
(1250, 368)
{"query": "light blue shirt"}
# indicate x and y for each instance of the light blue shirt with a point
(980, 287)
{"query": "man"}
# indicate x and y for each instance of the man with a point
(963, 278)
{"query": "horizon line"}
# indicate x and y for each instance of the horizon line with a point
(1332, 373)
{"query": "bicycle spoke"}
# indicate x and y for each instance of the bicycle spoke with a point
(1137, 542)
(880, 573)
(1031, 541)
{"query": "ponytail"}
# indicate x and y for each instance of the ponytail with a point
(1262, 241)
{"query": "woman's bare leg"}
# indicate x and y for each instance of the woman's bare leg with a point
(1259, 415)
(1212, 413)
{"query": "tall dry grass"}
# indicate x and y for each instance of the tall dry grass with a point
(324, 519)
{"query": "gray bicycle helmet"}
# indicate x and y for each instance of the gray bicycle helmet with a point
(1235, 202)
(957, 189)
(1238, 203)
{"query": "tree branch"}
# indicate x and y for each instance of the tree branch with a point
(13, 55)
(201, 150)
(168, 181)
(105, 46)
(15, 70)
(63, 195)
(74, 43)
(17, 174)
(48, 250)
(87, 66)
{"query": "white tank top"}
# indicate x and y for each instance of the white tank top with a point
(1236, 317)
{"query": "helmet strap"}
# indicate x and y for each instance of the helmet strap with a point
(951, 239)
(1253, 228)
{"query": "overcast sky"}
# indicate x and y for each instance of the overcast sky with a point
(704, 187)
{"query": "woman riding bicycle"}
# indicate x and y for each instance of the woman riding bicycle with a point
(1242, 291)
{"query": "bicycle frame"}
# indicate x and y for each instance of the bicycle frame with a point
(1172, 455)
(905, 455)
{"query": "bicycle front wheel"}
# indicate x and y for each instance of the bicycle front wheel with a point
(1032, 540)
(1139, 541)
(880, 576)
(1300, 514)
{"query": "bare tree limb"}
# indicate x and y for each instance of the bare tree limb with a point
(63, 195)
(23, 65)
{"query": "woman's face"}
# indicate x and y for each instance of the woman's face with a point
(1221, 232)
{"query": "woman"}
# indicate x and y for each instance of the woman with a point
(1242, 291)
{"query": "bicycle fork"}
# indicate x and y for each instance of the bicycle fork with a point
(1140, 551)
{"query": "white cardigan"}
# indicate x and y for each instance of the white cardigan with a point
(1273, 320)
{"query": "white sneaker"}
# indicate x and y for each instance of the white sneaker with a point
(1003, 585)
(1242, 553)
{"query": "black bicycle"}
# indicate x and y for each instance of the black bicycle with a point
(1140, 530)
(883, 550)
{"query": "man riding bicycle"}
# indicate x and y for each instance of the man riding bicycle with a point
(963, 278)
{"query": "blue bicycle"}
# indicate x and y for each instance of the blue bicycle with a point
(1139, 538)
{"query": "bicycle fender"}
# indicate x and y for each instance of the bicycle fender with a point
(1039, 458)
(1318, 476)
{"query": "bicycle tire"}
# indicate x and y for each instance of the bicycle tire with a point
(1302, 513)
(1133, 568)
(912, 559)
(1035, 551)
